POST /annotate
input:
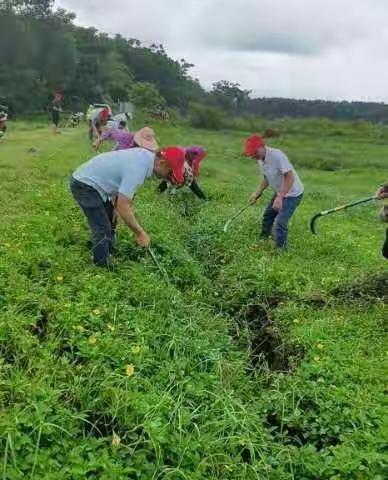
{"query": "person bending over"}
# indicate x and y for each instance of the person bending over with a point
(117, 175)
(193, 158)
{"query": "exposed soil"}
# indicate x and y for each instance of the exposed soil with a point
(267, 347)
(369, 288)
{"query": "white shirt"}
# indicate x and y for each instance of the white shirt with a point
(274, 167)
(116, 119)
(120, 171)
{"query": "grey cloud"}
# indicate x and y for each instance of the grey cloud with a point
(302, 27)
(334, 49)
(147, 20)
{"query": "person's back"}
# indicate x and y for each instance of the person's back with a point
(122, 137)
(117, 171)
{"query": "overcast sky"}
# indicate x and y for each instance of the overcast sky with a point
(331, 49)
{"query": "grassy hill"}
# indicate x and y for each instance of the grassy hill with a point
(247, 365)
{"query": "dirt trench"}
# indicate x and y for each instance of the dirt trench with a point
(268, 349)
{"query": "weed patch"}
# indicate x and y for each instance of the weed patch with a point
(298, 435)
(41, 326)
(211, 256)
(102, 425)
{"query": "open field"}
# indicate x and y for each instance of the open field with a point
(248, 365)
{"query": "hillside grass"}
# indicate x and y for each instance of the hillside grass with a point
(248, 365)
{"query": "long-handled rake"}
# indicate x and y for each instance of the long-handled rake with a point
(337, 209)
(236, 215)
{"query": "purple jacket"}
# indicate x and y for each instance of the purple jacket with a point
(123, 138)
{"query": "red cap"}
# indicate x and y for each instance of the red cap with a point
(104, 114)
(252, 143)
(175, 158)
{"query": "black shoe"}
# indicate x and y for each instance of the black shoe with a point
(385, 246)
(263, 237)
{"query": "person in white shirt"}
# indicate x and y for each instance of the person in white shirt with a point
(280, 175)
(118, 175)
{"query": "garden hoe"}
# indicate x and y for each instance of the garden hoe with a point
(337, 209)
(237, 214)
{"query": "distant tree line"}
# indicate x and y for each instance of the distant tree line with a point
(279, 107)
(43, 51)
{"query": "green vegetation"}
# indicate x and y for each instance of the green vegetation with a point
(248, 365)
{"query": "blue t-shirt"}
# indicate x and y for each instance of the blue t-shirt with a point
(121, 171)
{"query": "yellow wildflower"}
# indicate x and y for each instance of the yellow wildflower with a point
(136, 349)
(92, 340)
(116, 440)
(59, 278)
(129, 370)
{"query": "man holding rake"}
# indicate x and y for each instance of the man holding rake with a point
(280, 175)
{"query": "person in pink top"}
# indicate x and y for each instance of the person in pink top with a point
(120, 135)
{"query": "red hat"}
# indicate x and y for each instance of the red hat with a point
(175, 158)
(252, 143)
(104, 114)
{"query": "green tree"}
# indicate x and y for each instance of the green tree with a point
(146, 95)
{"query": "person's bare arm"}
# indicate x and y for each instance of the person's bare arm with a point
(258, 193)
(97, 143)
(124, 208)
(96, 133)
(287, 183)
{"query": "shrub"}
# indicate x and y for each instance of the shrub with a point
(207, 117)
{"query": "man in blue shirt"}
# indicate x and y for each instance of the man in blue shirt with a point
(114, 177)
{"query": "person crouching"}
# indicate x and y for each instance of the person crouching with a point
(193, 158)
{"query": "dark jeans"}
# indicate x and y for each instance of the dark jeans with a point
(100, 218)
(384, 250)
(280, 219)
(55, 117)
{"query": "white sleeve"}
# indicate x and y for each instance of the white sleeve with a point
(284, 164)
